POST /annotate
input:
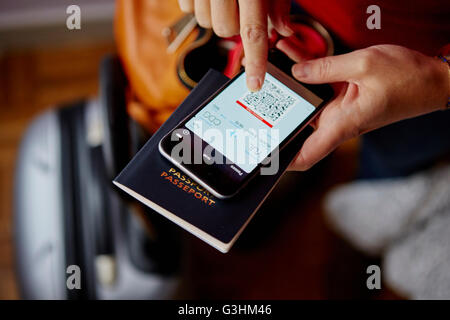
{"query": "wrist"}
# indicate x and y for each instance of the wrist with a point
(445, 59)
(444, 56)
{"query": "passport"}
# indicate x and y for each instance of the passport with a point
(154, 181)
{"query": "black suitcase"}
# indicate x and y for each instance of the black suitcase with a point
(67, 212)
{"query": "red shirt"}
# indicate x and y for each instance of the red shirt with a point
(419, 25)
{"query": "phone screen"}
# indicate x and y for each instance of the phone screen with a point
(245, 127)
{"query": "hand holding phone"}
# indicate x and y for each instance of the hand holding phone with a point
(231, 136)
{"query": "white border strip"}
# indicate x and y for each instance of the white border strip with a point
(54, 15)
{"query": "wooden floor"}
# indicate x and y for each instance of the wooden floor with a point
(285, 253)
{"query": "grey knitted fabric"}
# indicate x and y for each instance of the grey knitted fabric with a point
(418, 267)
(406, 218)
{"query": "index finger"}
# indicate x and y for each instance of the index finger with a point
(253, 23)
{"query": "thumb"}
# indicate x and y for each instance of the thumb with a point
(328, 69)
(318, 145)
(328, 135)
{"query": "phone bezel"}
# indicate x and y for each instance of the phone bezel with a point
(207, 175)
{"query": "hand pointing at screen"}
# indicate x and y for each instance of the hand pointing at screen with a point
(374, 86)
(249, 19)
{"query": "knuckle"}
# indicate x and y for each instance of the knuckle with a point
(253, 33)
(255, 66)
(324, 68)
(367, 60)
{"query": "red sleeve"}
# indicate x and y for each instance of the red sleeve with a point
(419, 25)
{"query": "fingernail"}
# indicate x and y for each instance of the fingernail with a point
(301, 70)
(254, 83)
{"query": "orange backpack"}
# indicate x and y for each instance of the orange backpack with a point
(154, 87)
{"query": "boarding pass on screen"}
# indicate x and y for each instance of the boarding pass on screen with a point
(271, 102)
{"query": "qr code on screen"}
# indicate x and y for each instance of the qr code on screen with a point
(271, 102)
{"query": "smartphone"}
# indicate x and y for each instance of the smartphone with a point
(229, 138)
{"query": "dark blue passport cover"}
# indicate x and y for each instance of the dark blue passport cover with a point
(153, 180)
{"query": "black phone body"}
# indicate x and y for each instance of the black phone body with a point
(226, 141)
